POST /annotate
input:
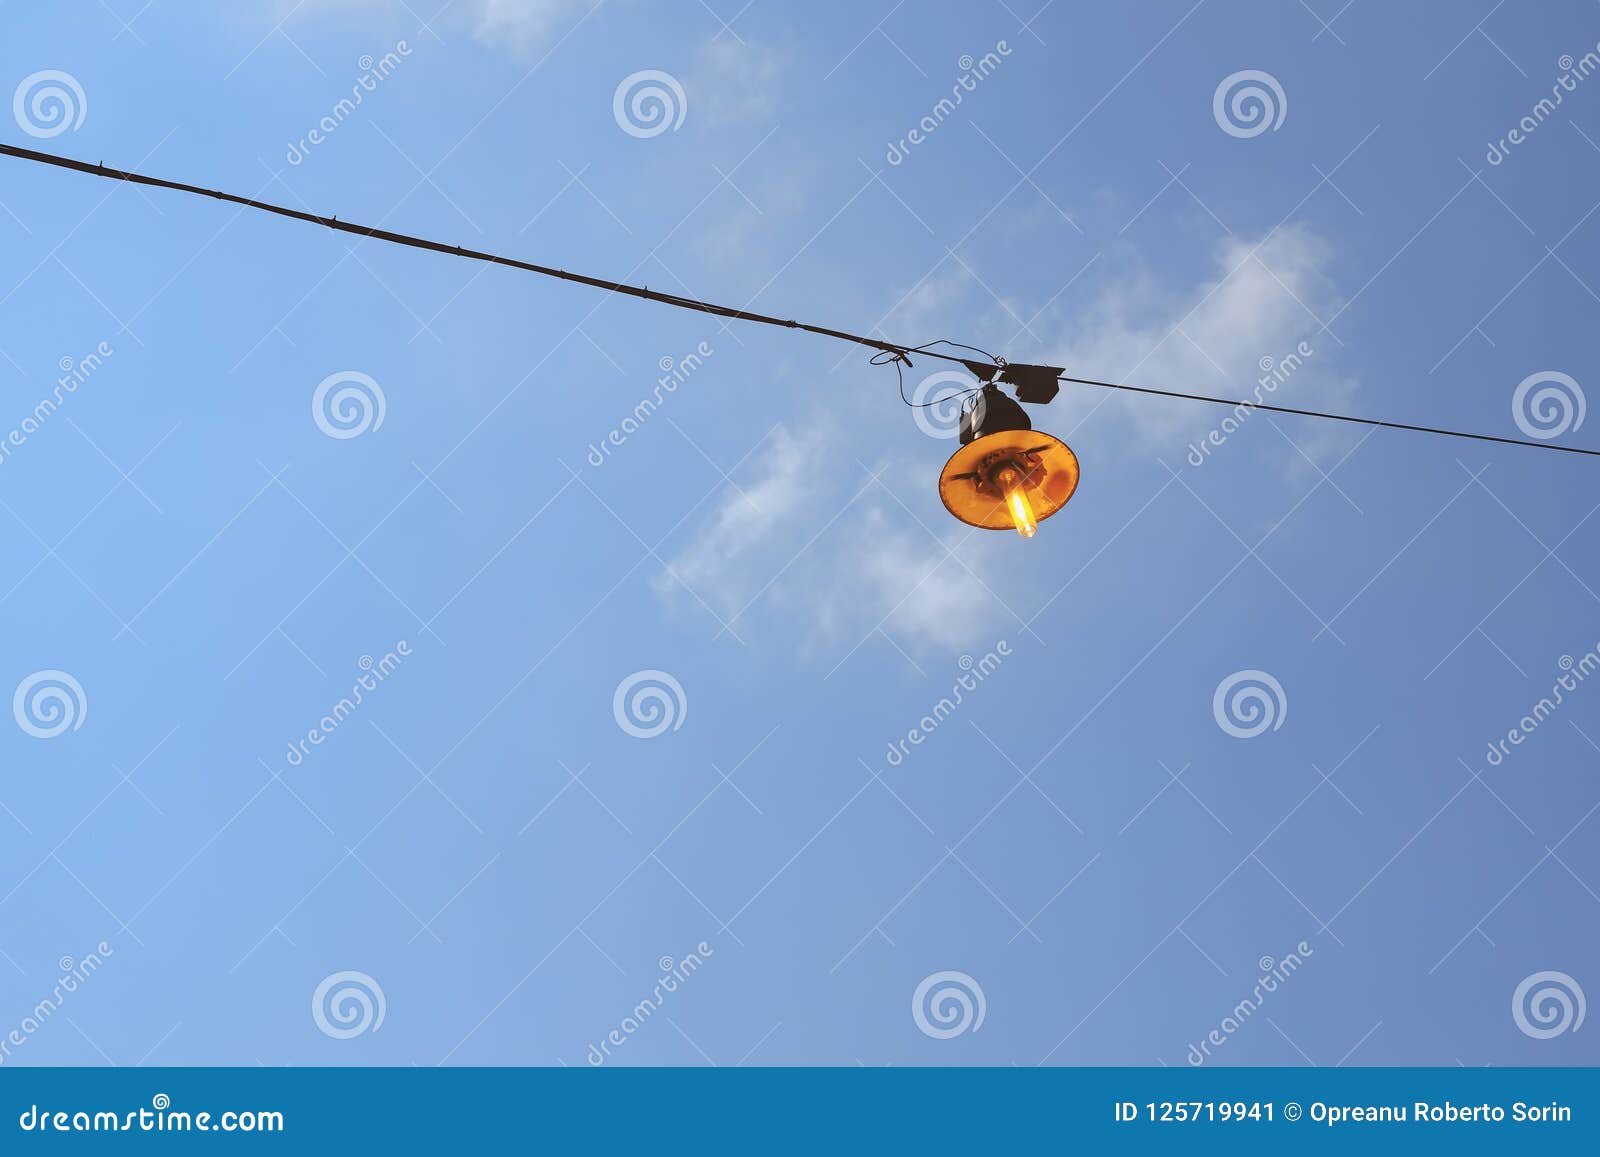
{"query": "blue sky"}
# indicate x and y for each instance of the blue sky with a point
(1107, 858)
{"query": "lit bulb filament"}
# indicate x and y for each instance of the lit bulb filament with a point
(1009, 480)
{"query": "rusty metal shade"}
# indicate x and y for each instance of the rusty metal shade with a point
(1048, 467)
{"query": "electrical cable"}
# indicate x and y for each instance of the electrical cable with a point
(898, 358)
(1334, 417)
(887, 351)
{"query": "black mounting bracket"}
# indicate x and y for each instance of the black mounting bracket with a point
(1034, 384)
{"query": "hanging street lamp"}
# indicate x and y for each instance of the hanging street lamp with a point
(1007, 475)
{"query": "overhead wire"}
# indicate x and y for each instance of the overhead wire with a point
(899, 358)
(886, 351)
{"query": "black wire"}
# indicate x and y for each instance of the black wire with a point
(1334, 417)
(452, 250)
(898, 357)
(999, 361)
(895, 353)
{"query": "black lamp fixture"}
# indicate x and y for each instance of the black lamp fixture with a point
(1007, 475)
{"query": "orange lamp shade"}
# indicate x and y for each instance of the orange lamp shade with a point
(1009, 480)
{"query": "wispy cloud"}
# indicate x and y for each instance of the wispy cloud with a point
(1263, 298)
(836, 552)
(519, 25)
(526, 24)
(734, 82)
(729, 554)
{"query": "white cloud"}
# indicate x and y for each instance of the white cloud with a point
(836, 553)
(521, 25)
(928, 306)
(727, 559)
(527, 24)
(1263, 298)
(916, 585)
(734, 83)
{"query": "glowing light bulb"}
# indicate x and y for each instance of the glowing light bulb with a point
(1009, 480)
